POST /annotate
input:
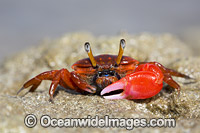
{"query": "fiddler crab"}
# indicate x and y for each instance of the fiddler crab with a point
(113, 76)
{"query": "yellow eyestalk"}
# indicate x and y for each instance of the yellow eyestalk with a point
(121, 51)
(89, 52)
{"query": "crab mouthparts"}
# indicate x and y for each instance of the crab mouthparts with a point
(113, 91)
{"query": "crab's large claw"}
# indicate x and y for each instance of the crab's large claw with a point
(141, 84)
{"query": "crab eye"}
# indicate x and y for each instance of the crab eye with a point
(87, 46)
(123, 43)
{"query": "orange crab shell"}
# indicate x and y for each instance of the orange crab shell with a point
(105, 61)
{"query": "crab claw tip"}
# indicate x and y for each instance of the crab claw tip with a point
(116, 96)
(113, 87)
(20, 90)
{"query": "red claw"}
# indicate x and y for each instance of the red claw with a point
(145, 82)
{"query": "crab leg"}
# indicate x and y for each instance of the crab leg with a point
(36, 81)
(145, 82)
(167, 71)
(62, 77)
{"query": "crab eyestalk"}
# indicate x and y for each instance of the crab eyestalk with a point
(121, 51)
(89, 52)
